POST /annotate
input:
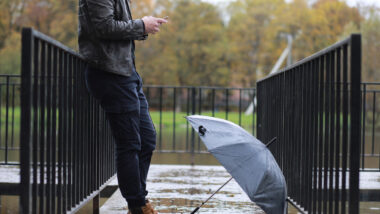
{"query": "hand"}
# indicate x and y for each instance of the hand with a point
(152, 24)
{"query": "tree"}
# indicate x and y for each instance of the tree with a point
(10, 10)
(251, 33)
(189, 50)
(370, 30)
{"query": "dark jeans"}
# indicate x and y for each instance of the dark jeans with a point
(126, 108)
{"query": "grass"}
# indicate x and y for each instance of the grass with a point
(167, 118)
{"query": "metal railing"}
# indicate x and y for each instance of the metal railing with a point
(314, 109)
(370, 156)
(9, 119)
(174, 134)
(66, 155)
(170, 104)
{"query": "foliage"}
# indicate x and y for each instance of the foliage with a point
(204, 44)
(370, 30)
(185, 52)
(10, 55)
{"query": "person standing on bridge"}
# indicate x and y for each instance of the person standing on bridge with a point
(106, 40)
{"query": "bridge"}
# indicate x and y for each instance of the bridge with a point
(57, 149)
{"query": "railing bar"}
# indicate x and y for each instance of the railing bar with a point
(160, 126)
(83, 135)
(327, 135)
(60, 132)
(254, 111)
(48, 132)
(13, 116)
(35, 127)
(70, 134)
(54, 126)
(76, 140)
(213, 102)
(373, 123)
(307, 140)
(364, 120)
(26, 114)
(239, 107)
(305, 169)
(337, 128)
(6, 119)
(1, 115)
(187, 123)
(344, 129)
(199, 112)
(90, 143)
(65, 134)
(42, 127)
(314, 121)
(332, 133)
(99, 172)
(355, 108)
(87, 145)
(227, 104)
(320, 130)
(298, 135)
(174, 113)
(200, 101)
(193, 109)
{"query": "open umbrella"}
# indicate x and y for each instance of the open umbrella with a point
(248, 160)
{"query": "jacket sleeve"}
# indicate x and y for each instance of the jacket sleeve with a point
(101, 15)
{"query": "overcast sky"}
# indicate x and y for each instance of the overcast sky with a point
(350, 2)
(364, 2)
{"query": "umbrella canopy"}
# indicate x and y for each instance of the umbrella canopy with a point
(248, 160)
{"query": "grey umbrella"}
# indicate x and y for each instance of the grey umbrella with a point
(248, 160)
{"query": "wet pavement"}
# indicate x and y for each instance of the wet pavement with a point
(181, 188)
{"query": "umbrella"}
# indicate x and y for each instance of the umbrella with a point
(248, 160)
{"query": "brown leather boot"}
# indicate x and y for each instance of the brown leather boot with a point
(150, 206)
(147, 209)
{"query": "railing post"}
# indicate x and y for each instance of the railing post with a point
(25, 143)
(363, 125)
(355, 122)
(193, 109)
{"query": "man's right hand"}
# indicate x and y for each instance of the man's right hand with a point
(152, 24)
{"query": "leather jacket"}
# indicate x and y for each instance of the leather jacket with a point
(106, 34)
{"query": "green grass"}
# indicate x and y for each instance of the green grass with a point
(167, 118)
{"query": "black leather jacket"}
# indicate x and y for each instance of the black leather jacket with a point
(107, 33)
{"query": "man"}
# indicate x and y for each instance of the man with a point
(106, 40)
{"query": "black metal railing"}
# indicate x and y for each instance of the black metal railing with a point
(9, 119)
(170, 104)
(370, 156)
(66, 155)
(174, 134)
(314, 109)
